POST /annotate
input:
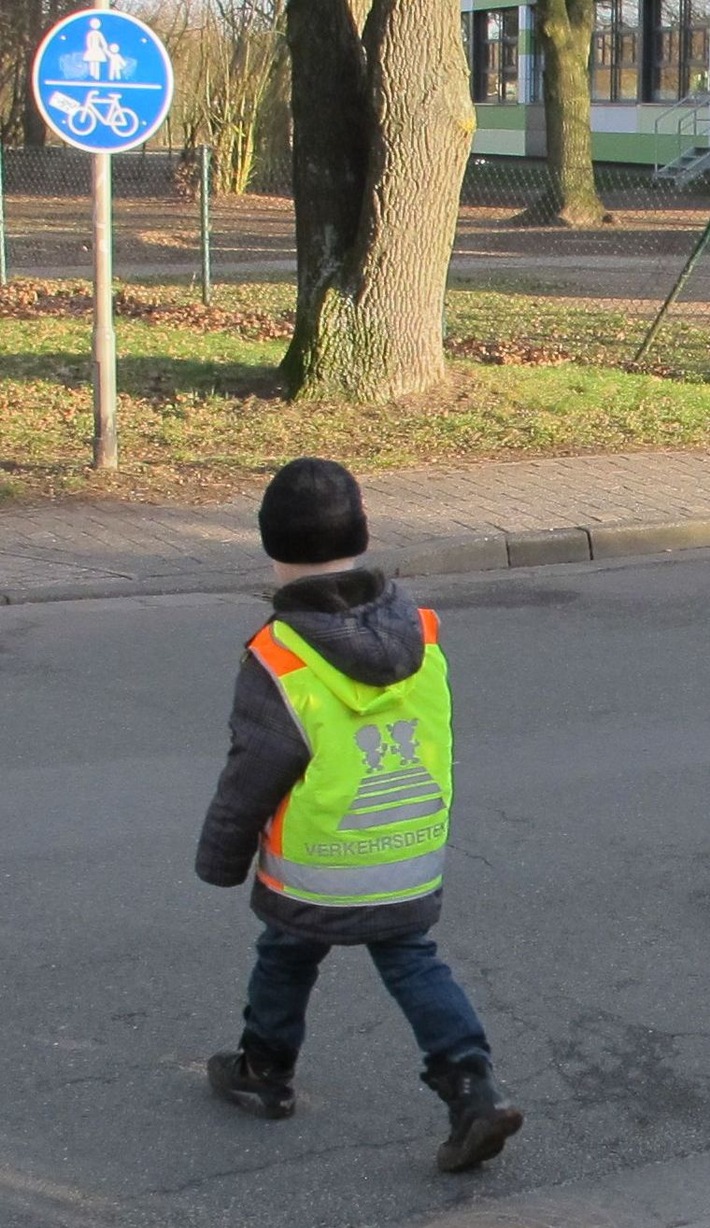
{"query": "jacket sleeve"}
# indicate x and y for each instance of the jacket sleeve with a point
(266, 757)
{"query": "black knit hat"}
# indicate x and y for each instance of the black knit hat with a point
(312, 513)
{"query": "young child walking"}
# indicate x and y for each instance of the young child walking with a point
(338, 782)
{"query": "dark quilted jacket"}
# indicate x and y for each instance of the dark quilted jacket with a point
(370, 630)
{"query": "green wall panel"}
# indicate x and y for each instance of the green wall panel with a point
(505, 144)
(638, 147)
(502, 130)
(475, 5)
(509, 118)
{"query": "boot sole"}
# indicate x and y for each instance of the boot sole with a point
(484, 1139)
(252, 1103)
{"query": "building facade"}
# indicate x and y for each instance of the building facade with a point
(648, 71)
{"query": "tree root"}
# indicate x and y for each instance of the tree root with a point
(550, 210)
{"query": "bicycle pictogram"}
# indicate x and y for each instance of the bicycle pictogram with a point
(103, 109)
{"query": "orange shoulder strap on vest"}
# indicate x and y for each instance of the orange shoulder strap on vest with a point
(430, 626)
(280, 660)
(277, 659)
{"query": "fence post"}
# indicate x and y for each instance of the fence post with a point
(683, 276)
(205, 223)
(3, 249)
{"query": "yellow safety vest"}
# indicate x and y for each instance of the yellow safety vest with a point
(367, 822)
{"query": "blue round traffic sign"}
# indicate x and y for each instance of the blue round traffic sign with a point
(102, 80)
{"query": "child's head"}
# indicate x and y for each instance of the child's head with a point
(312, 518)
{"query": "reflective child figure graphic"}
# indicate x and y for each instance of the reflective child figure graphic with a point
(370, 742)
(403, 734)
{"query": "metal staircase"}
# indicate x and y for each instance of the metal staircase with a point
(692, 138)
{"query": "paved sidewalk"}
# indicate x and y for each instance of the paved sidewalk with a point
(479, 516)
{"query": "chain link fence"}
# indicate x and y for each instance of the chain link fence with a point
(601, 294)
(589, 294)
(157, 218)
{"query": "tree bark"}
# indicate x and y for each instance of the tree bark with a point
(565, 28)
(360, 10)
(22, 25)
(34, 129)
(382, 132)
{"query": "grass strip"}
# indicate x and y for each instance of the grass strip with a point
(200, 410)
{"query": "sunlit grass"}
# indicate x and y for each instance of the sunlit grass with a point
(200, 410)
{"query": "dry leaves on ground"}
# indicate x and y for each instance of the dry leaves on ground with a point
(27, 300)
(508, 353)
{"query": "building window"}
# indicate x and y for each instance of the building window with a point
(492, 46)
(679, 38)
(536, 60)
(615, 51)
(699, 48)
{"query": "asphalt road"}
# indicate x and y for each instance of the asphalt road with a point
(577, 913)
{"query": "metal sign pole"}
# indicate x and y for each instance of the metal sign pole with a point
(3, 249)
(104, 338)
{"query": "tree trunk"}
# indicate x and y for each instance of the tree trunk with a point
(382, 133)
(360, 10)
(274, 133)
(34, 129)
(565, 28)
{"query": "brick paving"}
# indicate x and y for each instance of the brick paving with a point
(71, 548)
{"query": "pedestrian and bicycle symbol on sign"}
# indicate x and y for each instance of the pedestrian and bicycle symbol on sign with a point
(103, 81)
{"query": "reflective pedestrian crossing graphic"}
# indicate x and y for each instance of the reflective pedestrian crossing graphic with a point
(389, 794)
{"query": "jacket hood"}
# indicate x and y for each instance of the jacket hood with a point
(368, 628)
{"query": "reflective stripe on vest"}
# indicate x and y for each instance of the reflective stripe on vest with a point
(368, 821)
(399, 880)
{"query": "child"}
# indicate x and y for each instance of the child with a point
(339, 781)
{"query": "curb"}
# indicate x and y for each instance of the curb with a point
(546, 547)
(472, 552)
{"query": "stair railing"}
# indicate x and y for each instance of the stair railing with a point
(688, 126)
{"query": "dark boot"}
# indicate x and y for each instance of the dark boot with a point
(480, 1115)
(261, 1088)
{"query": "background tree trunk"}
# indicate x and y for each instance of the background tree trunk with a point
(22, 26)
(34, 129)
(565, 28)
(360, 10)
(382, 133)
(328, 103)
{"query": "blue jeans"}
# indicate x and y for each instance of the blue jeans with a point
(445, 1025)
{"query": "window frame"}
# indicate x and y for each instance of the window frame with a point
(496, 59)
(614, 36)
(690, 73)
